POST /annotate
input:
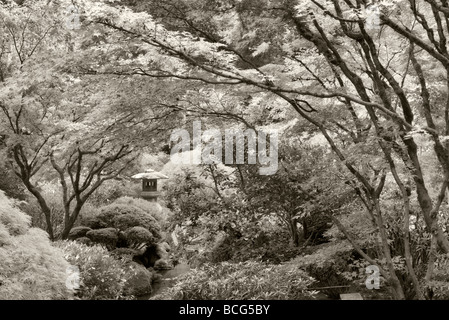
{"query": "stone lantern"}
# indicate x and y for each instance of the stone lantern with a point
(149, 183)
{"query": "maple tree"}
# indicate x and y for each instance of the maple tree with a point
(135, 70)
(367, 90)
(58, 125)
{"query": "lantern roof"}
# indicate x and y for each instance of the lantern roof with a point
(149, 174)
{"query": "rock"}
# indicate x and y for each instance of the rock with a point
(161, 250)
(162, 264)
(164, 245)
(78, 232)
(139, 284)
(174, 238)
(148, 257)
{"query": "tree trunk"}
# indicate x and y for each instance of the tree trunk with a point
(393, 279)
(68, 225)
(424, 200)
(44, 207)
(294, 233)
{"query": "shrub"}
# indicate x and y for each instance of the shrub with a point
(138, 236)
(109, 191)
(103, 219)
(139, 283)
(137, 219)
(328, 265)
(84, 240)
(11, 184)
(106, 236)
(242, 281)
(439, 285)
(88, 215)
(102, 276)
(275, 249)
(152, 208)
(123, 226)
(78, 232)
(30, 267)
(129, 253)
(123, 217)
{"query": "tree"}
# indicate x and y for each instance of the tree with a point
(318, 54)
(79, 128)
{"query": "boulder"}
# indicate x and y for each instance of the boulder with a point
(162, 264)
(161, 250)
(148, 257)
(164, 245)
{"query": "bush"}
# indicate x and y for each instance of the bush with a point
(102, 276)
(11, 184)
(84, 240)
(138, 219)
(78, 232)
(109, 191)
(30, 267)
(242, 281)
(129, 253)
(138, 236)
(152, 208)
(121, 226)
(139, 283)
(87, 215)
(123, 217)
(439, 285)
(328, 265)
(106, 236)
(107, 213)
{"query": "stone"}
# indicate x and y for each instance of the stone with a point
(164, 245)
(162, 264)
(161, 250)
(148, 257)
(174, 238)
